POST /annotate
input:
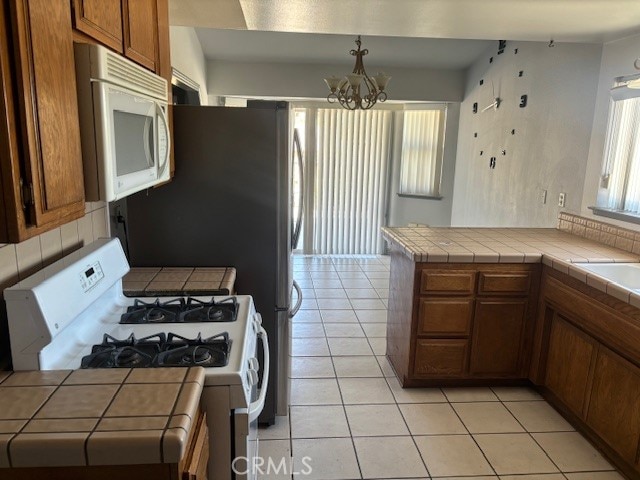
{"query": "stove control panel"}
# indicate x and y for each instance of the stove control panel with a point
(90, 276)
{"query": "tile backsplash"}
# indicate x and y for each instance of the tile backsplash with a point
(18, 261)
(612, 235)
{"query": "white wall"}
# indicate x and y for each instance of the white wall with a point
(187, 57)
(551, 143)
(304, 81)
(617, 60)
(404, 210)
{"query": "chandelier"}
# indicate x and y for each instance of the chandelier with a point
(358, 90)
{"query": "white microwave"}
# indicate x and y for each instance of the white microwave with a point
(123, 124)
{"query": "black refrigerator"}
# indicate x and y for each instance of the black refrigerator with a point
(229, 204)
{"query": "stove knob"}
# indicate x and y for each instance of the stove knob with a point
(252, 376)
(253, 364)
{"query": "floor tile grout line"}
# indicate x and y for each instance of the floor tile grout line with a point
(346, 417)
(527, 431)
(469, 433)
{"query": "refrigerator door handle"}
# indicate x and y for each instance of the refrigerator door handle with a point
(298, 224)
(298, 290)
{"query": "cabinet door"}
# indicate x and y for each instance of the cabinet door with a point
(101, 20)
(47, 111)
(497, 337)
(141, 32)
(440, 358)
(614, 406)
(569, 363)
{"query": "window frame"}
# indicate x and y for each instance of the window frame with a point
(606, 205)
(435, 194)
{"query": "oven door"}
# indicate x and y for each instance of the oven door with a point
(246, 465)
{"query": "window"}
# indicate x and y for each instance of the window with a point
(422, 141)
(621, 172)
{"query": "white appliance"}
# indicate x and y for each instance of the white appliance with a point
(58, 314)
(123, 124)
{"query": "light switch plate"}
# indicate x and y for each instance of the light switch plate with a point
(543, 196)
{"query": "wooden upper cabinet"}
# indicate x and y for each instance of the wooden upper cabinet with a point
(568, 368)
(101, 20)
(40, 129)
(140, 28)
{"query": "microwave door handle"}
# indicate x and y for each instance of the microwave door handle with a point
(165, 163)
(145, 141)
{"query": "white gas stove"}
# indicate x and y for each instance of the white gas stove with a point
(61, 316)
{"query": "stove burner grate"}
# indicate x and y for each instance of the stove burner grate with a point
(179, 310)
(181, 351)
(159, 350)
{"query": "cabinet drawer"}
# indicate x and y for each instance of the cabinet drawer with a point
(436, 358)
(447, 282)
(445, 317)
(514, 283)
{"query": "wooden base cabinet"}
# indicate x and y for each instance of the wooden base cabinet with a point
(586, 358)
(461, 323)
(569, 361)
(614, 405)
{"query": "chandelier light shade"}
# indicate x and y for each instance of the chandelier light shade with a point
(358, 91)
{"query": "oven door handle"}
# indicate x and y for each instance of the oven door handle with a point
(255, 408)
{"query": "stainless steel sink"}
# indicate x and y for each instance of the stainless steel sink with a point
(625, 274)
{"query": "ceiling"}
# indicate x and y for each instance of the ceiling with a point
(254, 46)
(437, 33)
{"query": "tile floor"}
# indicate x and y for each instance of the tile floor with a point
(352, 419)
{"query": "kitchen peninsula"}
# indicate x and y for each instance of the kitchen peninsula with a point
(491, 306)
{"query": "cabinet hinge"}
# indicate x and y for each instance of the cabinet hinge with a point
(26, 193)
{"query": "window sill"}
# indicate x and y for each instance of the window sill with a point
(421, 197)
(616, 214)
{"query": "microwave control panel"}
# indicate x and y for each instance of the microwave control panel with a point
(91, 276)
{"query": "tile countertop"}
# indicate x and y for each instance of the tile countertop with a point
(97, 417)
(177, 281)
(559, 250)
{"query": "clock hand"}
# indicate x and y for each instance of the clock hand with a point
(495, 104)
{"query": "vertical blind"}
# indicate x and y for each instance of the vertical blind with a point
(622, 155)
(421, 152)
(352, 155)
